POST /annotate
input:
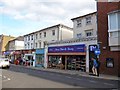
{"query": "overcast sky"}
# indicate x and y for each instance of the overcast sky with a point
(20, 17)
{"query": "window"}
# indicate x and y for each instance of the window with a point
(31, 37)
(31, 45)
(28, 38)
(88, 20)
(36, 45)
(39, 44)
(40, 35)
(36, 36)
(79, 35)
(113, 21)
(53, 32)
(44, 43)
(28, 45)
(79, 23)
(89, 33)
(25, 45)
(44, 34)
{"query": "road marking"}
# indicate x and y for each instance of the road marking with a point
(4, 76)
(108, 84)
(92, 81)
(8, 79)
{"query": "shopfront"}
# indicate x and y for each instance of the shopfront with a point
(39, 57)
(72, 57)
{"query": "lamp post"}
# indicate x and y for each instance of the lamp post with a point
(98, 52)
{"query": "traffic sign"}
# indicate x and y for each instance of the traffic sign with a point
(97, 52)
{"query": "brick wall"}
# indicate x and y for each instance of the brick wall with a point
(102, 9)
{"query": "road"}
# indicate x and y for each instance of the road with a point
(22, 77)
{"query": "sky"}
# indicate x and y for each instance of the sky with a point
(20, 17)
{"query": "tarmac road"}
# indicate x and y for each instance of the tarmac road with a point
(22, 77)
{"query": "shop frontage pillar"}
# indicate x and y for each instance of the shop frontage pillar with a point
(65, 62)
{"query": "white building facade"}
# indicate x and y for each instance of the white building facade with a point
(75, 53)
(39, 38)
(85, 26)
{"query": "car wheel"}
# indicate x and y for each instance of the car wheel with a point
(8, 67)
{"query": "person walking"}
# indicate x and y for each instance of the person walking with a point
(95, 67)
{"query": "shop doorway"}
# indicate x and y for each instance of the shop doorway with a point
(63, 60)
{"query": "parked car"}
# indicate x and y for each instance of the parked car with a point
(4, 62)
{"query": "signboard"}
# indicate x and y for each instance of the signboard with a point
(109, 62)
(97, 52)
(39, 51)
(67, 49)
(92, 48)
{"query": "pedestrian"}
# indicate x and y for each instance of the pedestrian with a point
(95, 67)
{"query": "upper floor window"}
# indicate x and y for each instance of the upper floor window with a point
(89, 33)
(31, 37)
(25, 39)
(39, 44)
(44, 34)
(36, 45)
(31, 45)
(28, 38)
(79, 35)
(40, 35)
(36, 35)
(28, 45)
(53, 32)
(113, 20)
(88, 20)
(79, 23)
(25, 46)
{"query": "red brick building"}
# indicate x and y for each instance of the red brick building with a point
(109, 36)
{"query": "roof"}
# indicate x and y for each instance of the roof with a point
(49, 28)
(84, 15)
(20, 38)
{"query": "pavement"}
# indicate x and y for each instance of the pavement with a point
(73, 72)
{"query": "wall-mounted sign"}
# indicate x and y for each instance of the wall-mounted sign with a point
(92, 48)
(97, 52)
(109, 62)
(67, 49)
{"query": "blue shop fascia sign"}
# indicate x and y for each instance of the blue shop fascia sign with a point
(39, 51)
(67, 49)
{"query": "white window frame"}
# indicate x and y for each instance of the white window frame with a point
(44, 34)
(88, 20)
(89, 32)
(79, 35)
(53, 32)
(79, 23)
(40, 35)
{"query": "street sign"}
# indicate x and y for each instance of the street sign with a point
(97, 52)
